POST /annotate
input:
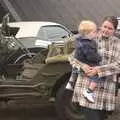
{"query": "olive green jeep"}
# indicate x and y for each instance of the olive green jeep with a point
(42, 77)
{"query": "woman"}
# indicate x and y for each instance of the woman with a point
(109, 49)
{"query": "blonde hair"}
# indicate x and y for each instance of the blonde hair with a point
(86, 26)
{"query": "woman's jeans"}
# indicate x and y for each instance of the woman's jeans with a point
(91, 114)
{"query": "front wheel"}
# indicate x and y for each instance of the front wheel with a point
(65, 108)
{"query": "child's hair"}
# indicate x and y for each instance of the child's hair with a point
(86, 26)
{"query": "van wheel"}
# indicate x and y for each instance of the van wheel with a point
(65, 108)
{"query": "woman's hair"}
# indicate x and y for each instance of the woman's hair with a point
(86, 26)
(111, 19)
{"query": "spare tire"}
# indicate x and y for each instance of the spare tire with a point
(65, 108)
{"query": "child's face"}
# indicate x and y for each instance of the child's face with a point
(93, 33)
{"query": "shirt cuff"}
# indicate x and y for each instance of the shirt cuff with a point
(100, 72)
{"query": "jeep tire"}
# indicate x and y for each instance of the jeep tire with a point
(66, 110)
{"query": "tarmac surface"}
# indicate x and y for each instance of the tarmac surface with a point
(13, 111)
(28, 113)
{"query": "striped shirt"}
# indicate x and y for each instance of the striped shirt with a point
(109, 49)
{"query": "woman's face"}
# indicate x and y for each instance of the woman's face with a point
(107, 29)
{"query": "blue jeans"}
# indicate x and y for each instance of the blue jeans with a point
(96, 79)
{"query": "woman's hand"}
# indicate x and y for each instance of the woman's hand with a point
(89, 71)
(86, 68)
(92, 71)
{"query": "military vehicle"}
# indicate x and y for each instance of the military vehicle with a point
(41, 77)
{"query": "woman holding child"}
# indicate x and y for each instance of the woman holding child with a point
(103, 93)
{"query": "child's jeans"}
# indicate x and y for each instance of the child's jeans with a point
(96, 79)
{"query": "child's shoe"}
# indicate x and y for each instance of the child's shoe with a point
(89, 96)
(69, 86)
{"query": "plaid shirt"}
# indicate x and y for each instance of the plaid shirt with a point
(109, 49)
